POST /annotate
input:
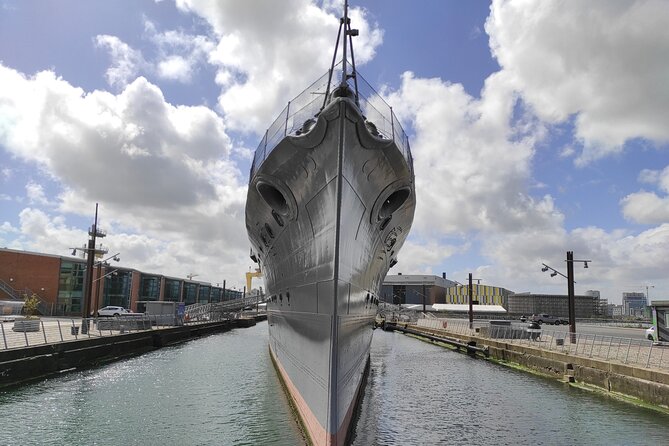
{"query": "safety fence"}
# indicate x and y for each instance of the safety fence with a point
(299, 115)
(625, 350)
(21, 333)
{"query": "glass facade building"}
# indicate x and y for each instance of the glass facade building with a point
(172, 290)
(149, 288)
(117, 289)
(216, 294)
(203, 294)
(70, 288)
(190, 293)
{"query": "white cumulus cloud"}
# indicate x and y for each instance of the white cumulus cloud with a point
(604, 62)
(268, 52)
(157, 169)
(126, 63)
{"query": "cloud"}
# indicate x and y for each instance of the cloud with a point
(472, 167)
(421, 257)
(159, 170)
(35, 193)
(179, 54)
(604, 62)
(649, 207)
(268, 52)
(127, 62)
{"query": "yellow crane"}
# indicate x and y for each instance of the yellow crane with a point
(249, 276)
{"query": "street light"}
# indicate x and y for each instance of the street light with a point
(115, 258)
(90, 252)
(470, 293)
(570, 289)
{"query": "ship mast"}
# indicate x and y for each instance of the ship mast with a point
(345, 23)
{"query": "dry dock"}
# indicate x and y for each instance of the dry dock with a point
(644, 382)
(23, 364)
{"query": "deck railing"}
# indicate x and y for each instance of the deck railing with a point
(308, 104)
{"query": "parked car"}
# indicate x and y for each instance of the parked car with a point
(545, 318)
(650, 333)
(110, 311)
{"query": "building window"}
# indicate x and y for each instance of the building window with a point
(149, 288)
(172, 290)
(203, 295)
(70, 288)
(117, 289)
(190, 293)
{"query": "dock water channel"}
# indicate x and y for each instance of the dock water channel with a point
(222, 390)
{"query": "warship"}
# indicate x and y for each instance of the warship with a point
(331, 199)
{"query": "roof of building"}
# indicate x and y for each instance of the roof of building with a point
(408, 279)
(456, 308)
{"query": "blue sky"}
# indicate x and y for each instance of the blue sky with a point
(537, 127)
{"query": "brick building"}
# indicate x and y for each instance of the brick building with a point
(58, 281)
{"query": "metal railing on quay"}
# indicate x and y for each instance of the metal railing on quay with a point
(28, 333)
(637, 352)
(18, 332)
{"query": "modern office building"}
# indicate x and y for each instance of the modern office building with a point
(481, 294)
(58, 282)
(411, 289)
(415, 289)
(634, 304)
(553, 304)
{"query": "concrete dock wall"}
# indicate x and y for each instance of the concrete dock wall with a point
(646, 384)
(30, 363)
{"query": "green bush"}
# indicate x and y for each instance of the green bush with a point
(30, 306)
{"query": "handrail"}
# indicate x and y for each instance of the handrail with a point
(308, 105)
(7, 288)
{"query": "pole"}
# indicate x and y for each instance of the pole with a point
(423, 298)
(471, 304)
(345, 23)
(88, 284)
(570, 295)
(98, 275)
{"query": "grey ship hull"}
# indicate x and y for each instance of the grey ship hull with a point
(326, 213)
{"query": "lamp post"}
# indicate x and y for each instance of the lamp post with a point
(91, 252)
(470, 294)
(647, 297)
(115, 258)
(570, 289)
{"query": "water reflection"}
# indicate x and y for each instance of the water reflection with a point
(223, 390)
(422, 394)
